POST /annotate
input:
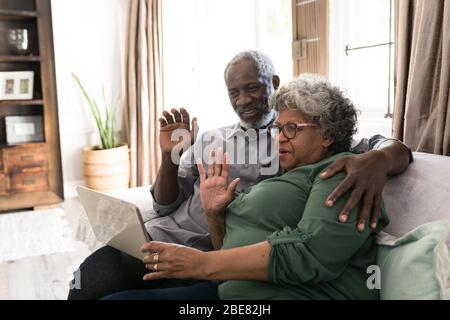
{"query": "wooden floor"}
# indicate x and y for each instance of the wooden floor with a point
(44, 277)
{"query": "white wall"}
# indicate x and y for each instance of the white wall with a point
(90, 40)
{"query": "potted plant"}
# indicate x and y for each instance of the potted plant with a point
(106, 166)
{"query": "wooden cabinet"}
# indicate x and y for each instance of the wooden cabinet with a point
(29, 182)
(26, 158)
(4, 184)
(30, 173)
(26, 168)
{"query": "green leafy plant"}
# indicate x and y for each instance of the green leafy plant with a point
(105, 124)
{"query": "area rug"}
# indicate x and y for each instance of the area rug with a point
(34, 233)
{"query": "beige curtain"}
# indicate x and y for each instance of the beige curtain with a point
(422, 100)
(144, 89)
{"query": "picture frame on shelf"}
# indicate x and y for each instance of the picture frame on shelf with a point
(16, 85)
(24, 129)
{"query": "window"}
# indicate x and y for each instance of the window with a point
(361, 59)
(201, 36)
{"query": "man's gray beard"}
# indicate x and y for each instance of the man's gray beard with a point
(266, 119)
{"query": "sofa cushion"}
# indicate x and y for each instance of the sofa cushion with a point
(420, 195)
(417, 265)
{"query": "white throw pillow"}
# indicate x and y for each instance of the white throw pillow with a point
(416, 265)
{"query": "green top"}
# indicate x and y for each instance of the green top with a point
(313, 255)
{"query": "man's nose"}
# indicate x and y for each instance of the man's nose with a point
(243, 100)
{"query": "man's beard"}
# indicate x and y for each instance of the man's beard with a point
(267, 117)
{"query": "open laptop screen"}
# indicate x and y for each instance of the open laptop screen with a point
(115, 222)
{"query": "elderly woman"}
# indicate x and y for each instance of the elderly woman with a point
(278, 240)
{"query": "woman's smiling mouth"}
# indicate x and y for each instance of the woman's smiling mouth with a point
(283, 153)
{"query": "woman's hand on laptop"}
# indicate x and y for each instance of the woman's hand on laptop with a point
(169, 260)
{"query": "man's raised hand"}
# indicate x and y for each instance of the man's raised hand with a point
(169, 123)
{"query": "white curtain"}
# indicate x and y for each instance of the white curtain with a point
(144, 89)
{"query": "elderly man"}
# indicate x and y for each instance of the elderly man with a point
(250, 79)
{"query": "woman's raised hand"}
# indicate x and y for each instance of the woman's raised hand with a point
(215, 192)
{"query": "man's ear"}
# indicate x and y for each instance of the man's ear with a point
(276, 82)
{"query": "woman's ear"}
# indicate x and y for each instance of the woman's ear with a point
(327, 142)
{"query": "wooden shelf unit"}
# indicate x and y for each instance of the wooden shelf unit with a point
(30, 173)
(20, 59)
(35, 102)
(6, 14)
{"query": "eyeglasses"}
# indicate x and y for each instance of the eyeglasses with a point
(289, 129)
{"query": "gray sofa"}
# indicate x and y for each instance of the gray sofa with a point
(420, 195)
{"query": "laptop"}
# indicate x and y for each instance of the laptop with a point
(115, 222)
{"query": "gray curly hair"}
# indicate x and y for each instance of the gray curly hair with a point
(263, 63)
(324, 104)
